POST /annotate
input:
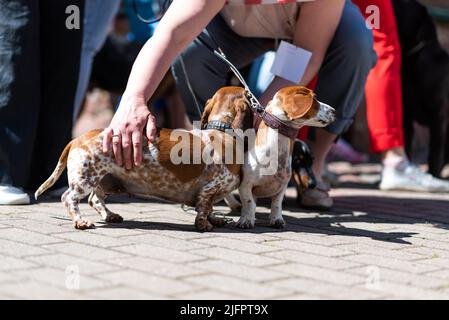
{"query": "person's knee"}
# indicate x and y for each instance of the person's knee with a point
(359, 48)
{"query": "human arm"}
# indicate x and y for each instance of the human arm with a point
(315, 28)
(183, 21)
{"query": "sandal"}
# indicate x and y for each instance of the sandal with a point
(317, 198)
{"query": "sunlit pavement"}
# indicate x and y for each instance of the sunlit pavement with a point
(372, 245)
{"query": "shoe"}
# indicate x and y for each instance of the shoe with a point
(317, 198)
(10, 195)
(343, 151)
(411, 178)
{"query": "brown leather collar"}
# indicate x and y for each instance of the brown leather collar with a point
(269, 119)
(277, 124)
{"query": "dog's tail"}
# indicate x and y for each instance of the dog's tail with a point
(62, 163)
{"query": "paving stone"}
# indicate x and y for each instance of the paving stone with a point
(324, 289)
(428, 252)
(62, 261)
(85, 251)
(235, 244)
(147, 282)
(39, 226)
(156, 267)
(318, 273)
(372, 244)
(206, 294)
(164, 254)
(17, 249)
(390, 263)
(39, 291)
(233, 285)
(89, 238)
(439, 274)
(6, 277)
(383, 252)
(236, 257)
(166, 242)
(27, 237)
(309, 247)
(123, 293)
(236, 270)
(427, 281)
(312, 259)
(409, 292)
(10, 263)
(63, 279)
(6, 211)
(181, 234)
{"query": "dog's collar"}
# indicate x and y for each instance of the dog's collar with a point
(277, 124)
(218, 125)
(270, 120)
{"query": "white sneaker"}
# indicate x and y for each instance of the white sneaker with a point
(10, 195)
(411, 179)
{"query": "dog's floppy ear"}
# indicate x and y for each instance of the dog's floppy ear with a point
(297, 102)
(243, 115)
(206, 112)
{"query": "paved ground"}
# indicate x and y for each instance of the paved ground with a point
(372, 245)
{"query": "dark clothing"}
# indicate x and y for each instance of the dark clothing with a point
(39, 69)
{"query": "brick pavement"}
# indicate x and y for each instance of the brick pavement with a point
(372, 245)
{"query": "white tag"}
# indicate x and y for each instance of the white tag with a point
(290, 62)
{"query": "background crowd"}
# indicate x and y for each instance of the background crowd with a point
(57, 82)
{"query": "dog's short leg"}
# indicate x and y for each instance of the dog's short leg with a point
(71, 199)
(248, 215)
(96, 201)
(202, 220)
(276, 219)
(233, 203)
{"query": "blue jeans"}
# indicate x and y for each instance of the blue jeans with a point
(341, 79)
(98, 15)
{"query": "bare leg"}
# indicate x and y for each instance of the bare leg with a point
(320, 148)
(96, 201)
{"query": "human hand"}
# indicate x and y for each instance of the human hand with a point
(125, 132)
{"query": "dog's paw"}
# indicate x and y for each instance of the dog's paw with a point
(245, 223)
(277, 223)
(202, 224)
(83, 224)
(114, 218)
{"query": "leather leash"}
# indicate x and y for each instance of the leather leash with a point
(269, 119)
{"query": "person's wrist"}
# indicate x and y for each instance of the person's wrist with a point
(134, 101)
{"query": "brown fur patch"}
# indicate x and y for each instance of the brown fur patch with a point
(229, 105)
(184, 172)
(296, 101)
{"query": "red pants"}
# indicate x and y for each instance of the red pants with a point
(383, 87)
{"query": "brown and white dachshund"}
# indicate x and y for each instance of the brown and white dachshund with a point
(194, 182)
(267, 167)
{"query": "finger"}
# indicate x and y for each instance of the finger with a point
(151, 128)
(127, 150)
(107, 138)
(117, 147)
(137, 147)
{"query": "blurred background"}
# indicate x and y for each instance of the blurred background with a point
(128, 33)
